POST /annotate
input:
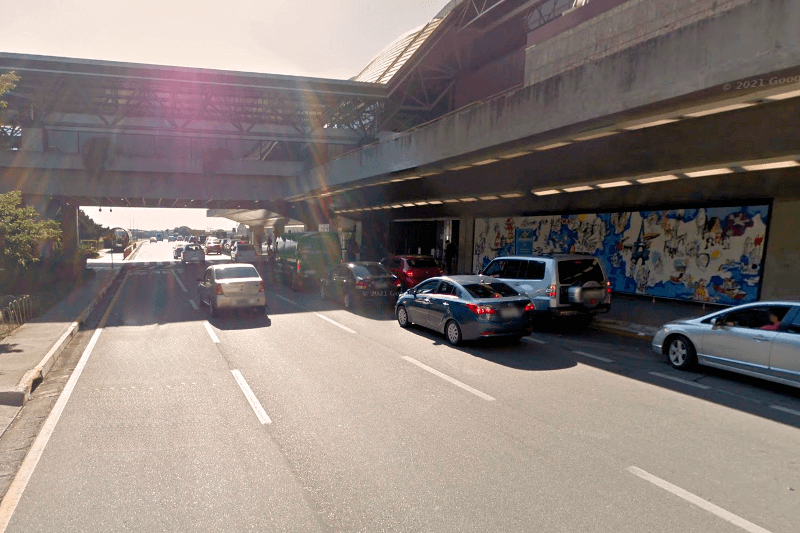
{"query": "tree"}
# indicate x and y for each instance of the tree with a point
(89, 229)
(8, 82)
(21, 233)
(186, 231)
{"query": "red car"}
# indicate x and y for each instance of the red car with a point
(413, 269)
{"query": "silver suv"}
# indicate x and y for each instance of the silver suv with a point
(558, 284)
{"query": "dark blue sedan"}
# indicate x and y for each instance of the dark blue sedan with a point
(466, 308)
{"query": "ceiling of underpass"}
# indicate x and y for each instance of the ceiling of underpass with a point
(760, 134)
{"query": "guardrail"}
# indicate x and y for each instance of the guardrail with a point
(14, 311)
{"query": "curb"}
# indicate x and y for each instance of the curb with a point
(21, 393)
(624, 329)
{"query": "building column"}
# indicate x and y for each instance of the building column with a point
(256, 236)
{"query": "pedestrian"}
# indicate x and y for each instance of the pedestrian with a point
(450, 254)
(352, 248)
(269, 243)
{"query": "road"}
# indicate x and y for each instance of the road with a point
(314, 418)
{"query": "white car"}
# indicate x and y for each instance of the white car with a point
(177, 250)
(193, 253)
(243, 252)
(232, 287)
(152, 239)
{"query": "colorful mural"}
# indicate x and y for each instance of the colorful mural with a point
(709, 254)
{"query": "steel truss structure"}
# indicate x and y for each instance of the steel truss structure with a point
(131, 98)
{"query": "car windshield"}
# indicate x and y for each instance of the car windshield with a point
(370, 271)
(237, 272)
(583, 270)
(490, 290)
(423, 262)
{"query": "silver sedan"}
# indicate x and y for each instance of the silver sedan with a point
(760, 339)
(232, 287)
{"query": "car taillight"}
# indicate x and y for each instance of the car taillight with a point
(530, 307)
(551, 291)
(409, 273)
(261, 287)
(218, 290)
(608, 287)
(299, 264)
(482, 309)
(361, 284)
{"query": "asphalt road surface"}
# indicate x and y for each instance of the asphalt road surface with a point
(314, 418)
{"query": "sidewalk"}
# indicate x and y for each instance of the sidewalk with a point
(641, 317)
(30, 352)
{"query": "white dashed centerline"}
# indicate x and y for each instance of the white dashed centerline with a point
(210, 331)
(698, 501)
(679, 380)
(289, 301)
(533, 339)
(179, 281)
(323, 317)
(194, 305)
(251, 398)
(590, 356)
(445, 377)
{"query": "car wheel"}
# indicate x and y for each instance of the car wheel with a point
(213, 309)
(348, 301)
(453, 333)
(681, 352)
(402, 317)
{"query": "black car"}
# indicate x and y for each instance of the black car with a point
(357, 283)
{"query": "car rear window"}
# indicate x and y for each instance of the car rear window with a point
(368, 271)
(241, 247)
(192, 247)
(490, 290)
(583, 270)
(423, 262)
(238, 272)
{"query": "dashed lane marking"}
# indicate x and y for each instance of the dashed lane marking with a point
(698, 501)
(251, 398)
(335, 323)
(533, 339)
(591, 356)
(454, 381)
(679, 380)
(194, 305)
(183, 288)
(785, 409)
(210, 331)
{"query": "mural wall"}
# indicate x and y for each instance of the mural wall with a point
(709, 254)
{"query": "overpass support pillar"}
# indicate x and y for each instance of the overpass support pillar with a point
(257, 236)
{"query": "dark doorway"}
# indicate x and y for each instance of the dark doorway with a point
(413, 237)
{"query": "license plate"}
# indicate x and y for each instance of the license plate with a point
(511, 312)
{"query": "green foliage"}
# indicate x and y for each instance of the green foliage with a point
(21, 233)
(186, 231)
(87, 252)
(89, 229)
(8, 82)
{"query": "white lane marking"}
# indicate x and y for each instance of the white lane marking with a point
(533, 339)
(679, 380)
(335, 323)
(211, 332)
(288, 300)
(251, 398)
(593, 356)
(445, 377)
(194, 305)
(179, 281)
(698, 501)
(14, 494)
(785, 409)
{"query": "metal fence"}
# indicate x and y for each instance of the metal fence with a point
(14, 311)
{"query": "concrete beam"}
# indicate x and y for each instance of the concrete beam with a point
(746, 42)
